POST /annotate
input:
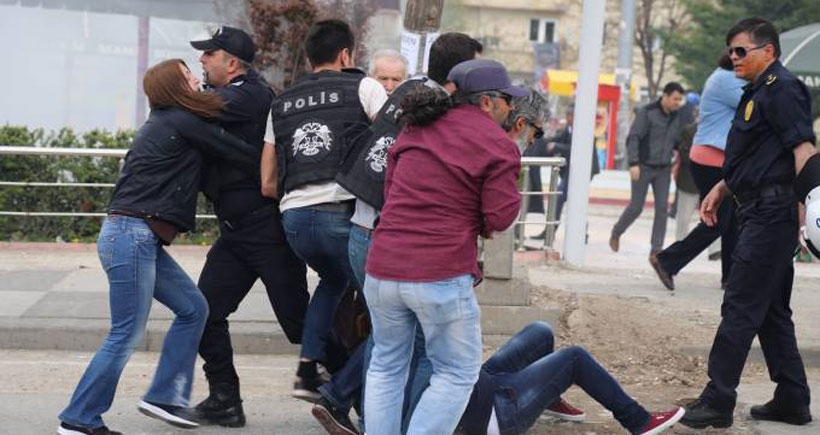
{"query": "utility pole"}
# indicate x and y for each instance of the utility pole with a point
(422, 20)
(586, 101)
(143, 28)
(623, 74)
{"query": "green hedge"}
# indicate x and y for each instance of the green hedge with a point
(66, 199)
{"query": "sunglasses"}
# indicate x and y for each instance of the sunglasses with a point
(507, 99)
(741, 52)
(539, 132)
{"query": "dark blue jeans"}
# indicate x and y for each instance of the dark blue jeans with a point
(358, 246)
(319, 238)
(529, 377)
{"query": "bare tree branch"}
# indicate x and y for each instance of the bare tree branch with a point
(657, 24)
(279, 28)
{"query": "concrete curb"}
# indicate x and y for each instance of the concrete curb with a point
(87, 335)
(809, 354)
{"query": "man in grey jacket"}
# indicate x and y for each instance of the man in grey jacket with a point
(650, 145)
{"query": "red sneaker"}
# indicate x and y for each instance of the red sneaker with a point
(565, 411)
(660, 421)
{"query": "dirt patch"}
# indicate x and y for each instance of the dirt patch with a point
(643, 345)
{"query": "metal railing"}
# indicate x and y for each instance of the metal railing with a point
(63, 152)
(551, 207)
(527, 163)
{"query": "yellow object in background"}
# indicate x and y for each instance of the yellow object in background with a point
(562, 82)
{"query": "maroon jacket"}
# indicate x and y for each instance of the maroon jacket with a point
(446, 183)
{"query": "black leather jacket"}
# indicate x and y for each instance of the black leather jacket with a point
(162, 170)
(234, 192)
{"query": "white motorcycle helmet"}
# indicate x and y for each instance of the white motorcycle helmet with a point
(811, 232)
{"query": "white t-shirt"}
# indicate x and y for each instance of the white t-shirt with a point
(492, 426)
(365, 215)
(373, 96)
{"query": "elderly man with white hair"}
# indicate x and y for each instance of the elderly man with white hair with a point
(389, 68)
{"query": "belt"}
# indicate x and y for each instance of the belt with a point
(766, 192)
(343, 206)
(127, 213)
(250, 218)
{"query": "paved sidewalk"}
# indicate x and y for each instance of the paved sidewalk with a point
(55, 296)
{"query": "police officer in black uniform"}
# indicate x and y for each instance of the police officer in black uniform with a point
(313, 127)
(252, 244)
(770, 141)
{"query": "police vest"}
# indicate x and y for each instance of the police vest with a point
(363, 172)
(314, 122)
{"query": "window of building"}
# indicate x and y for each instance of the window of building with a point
(542, 30)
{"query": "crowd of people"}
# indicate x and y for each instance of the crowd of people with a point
(382, 184)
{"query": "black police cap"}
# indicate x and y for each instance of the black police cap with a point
(234, 41)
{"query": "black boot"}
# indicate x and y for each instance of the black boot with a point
(770, 411)
(223, 406)
(699, 415)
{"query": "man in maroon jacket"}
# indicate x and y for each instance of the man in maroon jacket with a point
(451, 176)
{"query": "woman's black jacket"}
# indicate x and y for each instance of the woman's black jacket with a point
(160, 178)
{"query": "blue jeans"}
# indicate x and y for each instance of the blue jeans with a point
(449, 315)
(348, 383)
(357, 247)
(345, 381)
(529, 377)
(139, 270)
(319, 238)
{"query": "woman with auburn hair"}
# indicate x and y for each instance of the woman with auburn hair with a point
(153, 201)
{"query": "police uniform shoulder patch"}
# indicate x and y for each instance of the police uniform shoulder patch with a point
(771, 79)
(750, 107)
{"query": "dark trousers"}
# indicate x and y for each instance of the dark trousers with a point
(659, 178)
(756, 303)
(345, 387)
(530, 377)
(254, 250)
(679, 254)
(320, 238)
(537, 149)
(563, 187)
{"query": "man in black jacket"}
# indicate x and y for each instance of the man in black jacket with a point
(650, 145)
(252, 244)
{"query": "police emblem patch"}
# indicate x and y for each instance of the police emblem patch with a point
(312, 139)
(750, 107)
(770, 79)
(377, 156)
